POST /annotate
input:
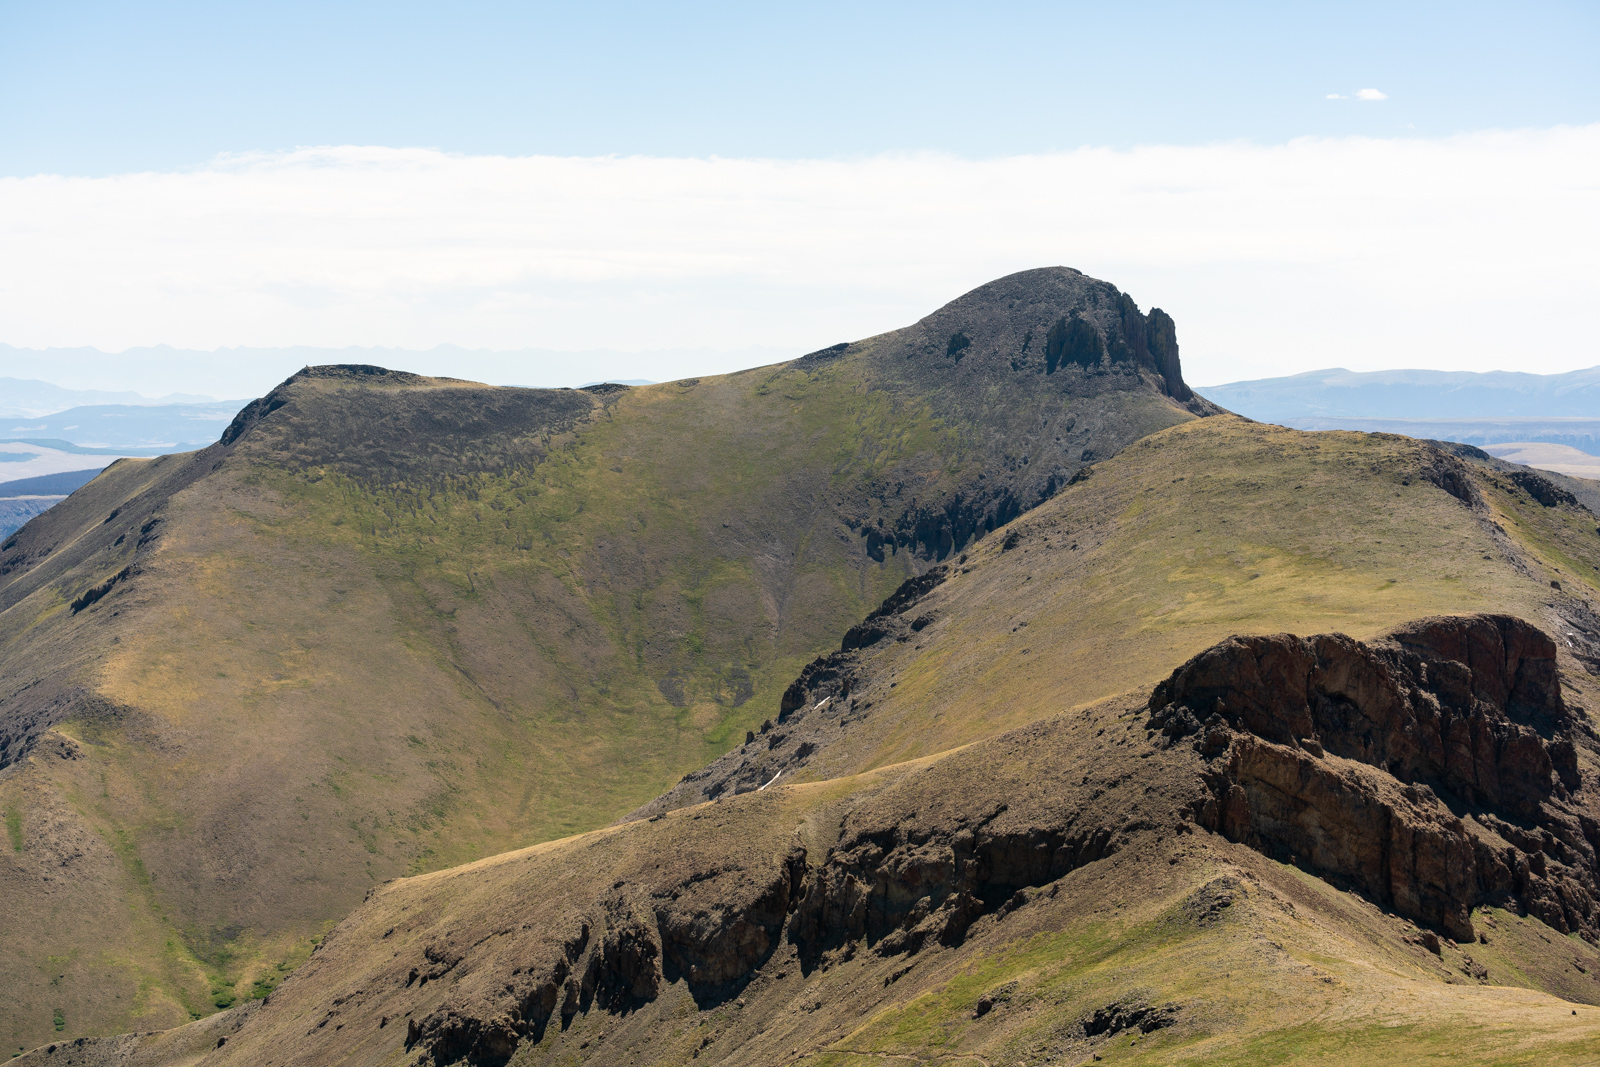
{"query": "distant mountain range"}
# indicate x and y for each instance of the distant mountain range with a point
(133, 429)
(1413, 394)
(108, 422)
(1470, 407)
(29, 398)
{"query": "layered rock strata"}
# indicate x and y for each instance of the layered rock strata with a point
(1433, 770)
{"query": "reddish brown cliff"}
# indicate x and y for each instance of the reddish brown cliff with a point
(1433, 770)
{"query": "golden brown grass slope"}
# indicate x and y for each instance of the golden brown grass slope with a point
(1216, 527)
(1169, 948)
(393, 623)
(1011, 726)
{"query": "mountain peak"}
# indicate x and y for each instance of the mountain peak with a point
(1055, 320)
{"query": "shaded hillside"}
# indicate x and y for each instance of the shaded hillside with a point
(390, 623)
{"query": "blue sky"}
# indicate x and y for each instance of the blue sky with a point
(102, 88)
(687, 189)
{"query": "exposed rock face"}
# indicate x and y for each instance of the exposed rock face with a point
(1129, 1015)
(1543, 489)
(711, 940)
(899, 886)
(1451, 474)
(972, 838)
(1434, 770)
(1054, 364)
(1562, 489)
(711, 928)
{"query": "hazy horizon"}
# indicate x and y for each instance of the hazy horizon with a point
(110, 376)
(1296, 187)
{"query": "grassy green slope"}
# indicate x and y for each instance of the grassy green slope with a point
(1209, 528)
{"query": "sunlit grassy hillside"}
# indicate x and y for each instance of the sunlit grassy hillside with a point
(394, 623)
(1212, 528)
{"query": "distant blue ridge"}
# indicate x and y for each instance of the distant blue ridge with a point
(1412, 394)
(49, 484)
(127, 429)
(1475, 408)
(85, 450)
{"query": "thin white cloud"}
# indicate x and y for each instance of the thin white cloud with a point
(1337, 96)
(1371, 94)
(1475, 252)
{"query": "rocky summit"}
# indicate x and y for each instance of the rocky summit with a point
(971, 693)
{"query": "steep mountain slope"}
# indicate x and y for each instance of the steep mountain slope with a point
(1114, 833)
(390, 623)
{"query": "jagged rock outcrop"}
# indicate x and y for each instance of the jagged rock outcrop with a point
(708, 927)
(1543, 489)
(1058, 367)
(1433, 770)
(1129, 1015)
(1450, 474)
(1563, 489)
(967, 840)
(900, 884)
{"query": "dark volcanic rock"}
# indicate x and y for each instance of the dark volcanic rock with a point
(711, 936)
(1542, 489)
(914, 866)
(1051, 367)
(403, 428)
(1128, 1015)
(1434, 770)
(1572, 491)
(1207, 905)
